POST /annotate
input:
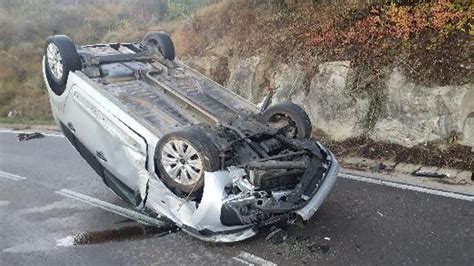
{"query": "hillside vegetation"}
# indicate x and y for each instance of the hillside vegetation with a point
(24, 26)
(432, 41)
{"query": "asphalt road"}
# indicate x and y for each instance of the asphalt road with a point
(360, 223)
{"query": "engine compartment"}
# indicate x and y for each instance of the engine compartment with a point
(275, 186)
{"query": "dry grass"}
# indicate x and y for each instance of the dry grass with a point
(24, 27)
(431, 40)
(444, 154)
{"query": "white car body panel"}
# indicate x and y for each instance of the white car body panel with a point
(125, 147)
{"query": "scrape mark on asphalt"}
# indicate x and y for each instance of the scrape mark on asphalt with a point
(54, 213)
(11, 176)
(68, 241)
(250, 259)
(112, 208)
(35, 246)
(137, 232)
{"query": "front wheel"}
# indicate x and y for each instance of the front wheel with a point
(181, 159)
(289, 118)
(60, 57)
(160, 41)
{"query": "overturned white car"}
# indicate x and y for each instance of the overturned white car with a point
(171, 142)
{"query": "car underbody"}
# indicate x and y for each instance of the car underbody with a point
(126, 99)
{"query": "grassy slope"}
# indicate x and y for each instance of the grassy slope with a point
(24, 25)
(430, 41)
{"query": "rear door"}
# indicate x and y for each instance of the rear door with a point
(117, 148)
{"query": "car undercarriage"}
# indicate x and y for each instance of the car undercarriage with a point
(177, 144)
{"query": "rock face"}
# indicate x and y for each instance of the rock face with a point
(247, 77)
(414, 114)
(205, 65)
(328, 102)
(467, 118)
(288, 82)
(417, 114)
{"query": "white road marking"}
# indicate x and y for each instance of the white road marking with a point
(242, 261)
(250, 259)
(111, 207)
(68, 241)
(12, 176)
(408, 187)
(11, 131)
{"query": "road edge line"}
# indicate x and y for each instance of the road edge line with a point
(403, 186)
(12, 176)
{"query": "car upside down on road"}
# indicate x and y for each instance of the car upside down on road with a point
(173, 143)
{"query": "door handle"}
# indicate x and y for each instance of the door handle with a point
(71, 126)
(100, 155)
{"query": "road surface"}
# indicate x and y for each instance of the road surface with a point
(360, 223)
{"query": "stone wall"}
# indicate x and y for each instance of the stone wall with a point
(413, 114)
(417, 114)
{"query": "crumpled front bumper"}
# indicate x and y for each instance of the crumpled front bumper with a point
(204, 221)
(305, 212)
(329, 180)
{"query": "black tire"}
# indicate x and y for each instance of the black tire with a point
(300, 124)
(162, 42)
(69, 58)
(207, 152)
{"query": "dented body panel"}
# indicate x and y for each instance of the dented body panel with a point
(124, 100)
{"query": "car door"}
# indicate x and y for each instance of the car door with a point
(114, 150)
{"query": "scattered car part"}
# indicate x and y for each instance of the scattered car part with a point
(28, 136)
(276, 236)
(422, 173)
(267, 101)
(379, 168)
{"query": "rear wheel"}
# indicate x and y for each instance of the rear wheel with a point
(181, 159)
(290, 118)
(60, 57)
(161, 41)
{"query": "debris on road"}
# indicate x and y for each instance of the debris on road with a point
(379, 213)
(380, 167)
(276, 236)
(28, 136)
(323, 248)
(327, 238)
(426, 173)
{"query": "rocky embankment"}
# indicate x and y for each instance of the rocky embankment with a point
(410, 114)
